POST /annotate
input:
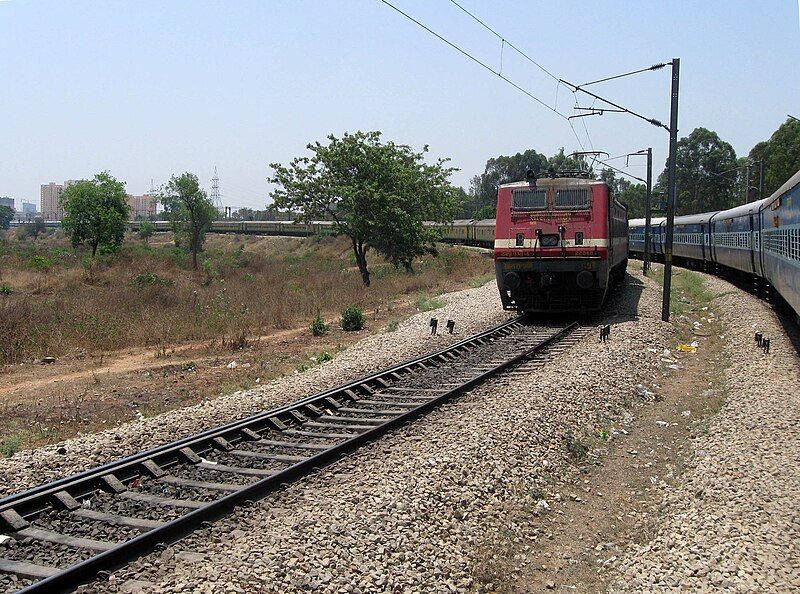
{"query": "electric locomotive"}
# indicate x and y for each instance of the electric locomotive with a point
(560, 243)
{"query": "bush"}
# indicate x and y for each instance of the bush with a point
(352, 319)
(393, 325)
(319, 327)
(146, 230)
(40, 263)
(6, 289)
(323, 356)
(150, 278)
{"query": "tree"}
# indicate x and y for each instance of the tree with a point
(32, 229)
(95, 212)
(482, 197)
(707, 174)
(500, 170)
(146, 230)
(6, 216)
(377, 194)
(189, 210)
(781, 154)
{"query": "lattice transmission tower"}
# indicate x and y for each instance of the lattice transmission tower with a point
(216, 195)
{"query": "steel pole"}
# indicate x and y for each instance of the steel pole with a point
(671, 196)
(746, 184)
(647, 211)
(761, 179)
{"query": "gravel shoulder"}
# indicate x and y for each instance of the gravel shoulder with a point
(430, 507)
(471, 309)
(732, 521)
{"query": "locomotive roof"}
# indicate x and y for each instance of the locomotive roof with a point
(548, 182)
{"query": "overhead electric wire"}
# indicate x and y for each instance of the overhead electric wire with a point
(594, 82)
(507, 42)
(622, 172)
(484, 65)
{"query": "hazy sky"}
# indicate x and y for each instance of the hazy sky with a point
(148, 89)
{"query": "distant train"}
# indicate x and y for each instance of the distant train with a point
(560, 244)
(760, 239)
(464, 231)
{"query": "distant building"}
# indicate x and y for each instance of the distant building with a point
(51, 201)
(28, 208)
(6, 201)
(142, 207)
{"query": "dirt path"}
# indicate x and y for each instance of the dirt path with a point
(42, 404)
(18, 383)
(607, 503)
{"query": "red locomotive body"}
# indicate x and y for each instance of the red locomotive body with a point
(559, 244)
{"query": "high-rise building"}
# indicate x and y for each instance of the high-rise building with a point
(51, 201)
(142, 207)
(28, 210)
(6, 201)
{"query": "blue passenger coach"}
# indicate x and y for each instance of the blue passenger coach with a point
(735, 237)
(780, 241)
(760, 239)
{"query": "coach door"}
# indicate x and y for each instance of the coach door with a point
(752, 245)
(703, 240)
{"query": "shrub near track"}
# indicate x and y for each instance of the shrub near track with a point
(147, 295)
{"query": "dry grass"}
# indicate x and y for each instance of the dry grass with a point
(147, 295)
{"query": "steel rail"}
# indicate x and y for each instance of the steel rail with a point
(20, 499)
(82, 572)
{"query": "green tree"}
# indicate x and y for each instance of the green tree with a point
(95, 212)
(377, 194)
(32, 229)
(189, 210)
(707, 174)
(146, 230)
(781, 154)
(500, 170)
(6, 216)
(635, 196)
(482, 197)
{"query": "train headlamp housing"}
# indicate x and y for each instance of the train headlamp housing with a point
(549, 240)
(579, 238)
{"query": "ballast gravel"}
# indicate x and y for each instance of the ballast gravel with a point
(420, 509)
(732, 522)
(472, 310)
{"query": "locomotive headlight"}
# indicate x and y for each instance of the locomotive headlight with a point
(511, 281)
(579, 238)
(585, 279)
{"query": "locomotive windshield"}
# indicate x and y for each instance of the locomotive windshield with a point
(572, 198)
(535, 199)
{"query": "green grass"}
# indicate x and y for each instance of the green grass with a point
(427, 303)
(11, 444)
(688, 292)
(481, 280)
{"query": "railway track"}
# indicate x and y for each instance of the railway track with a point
(59, 535)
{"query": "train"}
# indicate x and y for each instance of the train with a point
(561, 242)
(479, 233)
(759, 240)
